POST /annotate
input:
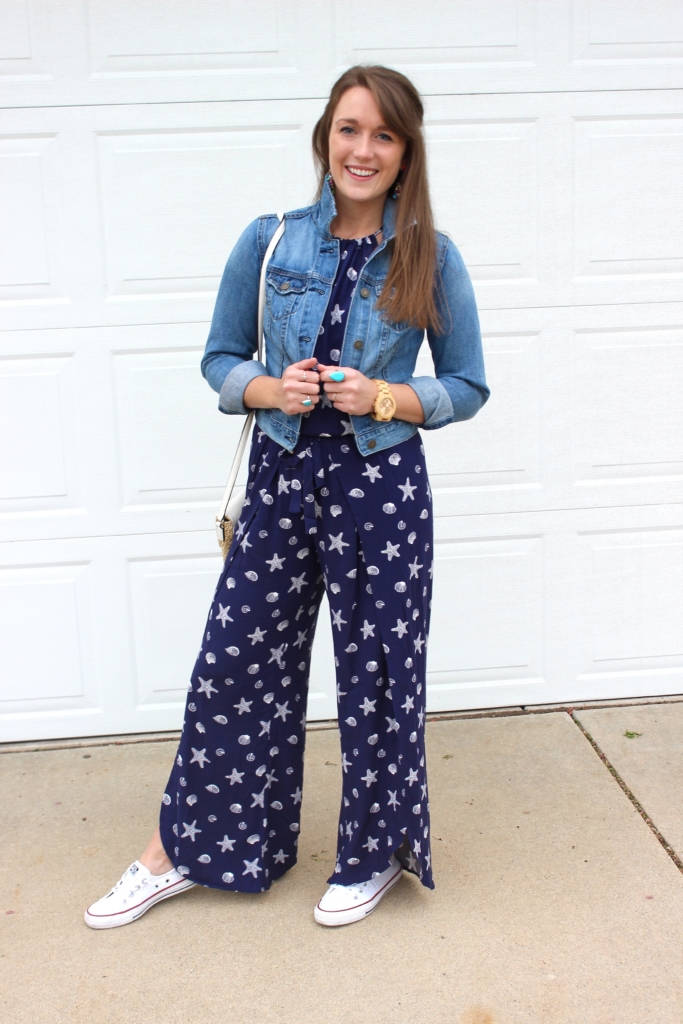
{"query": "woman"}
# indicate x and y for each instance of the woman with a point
(337, 499)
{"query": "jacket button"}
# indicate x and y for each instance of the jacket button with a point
(358, 344)
(365, 293)
(372, 444)
(284, 287)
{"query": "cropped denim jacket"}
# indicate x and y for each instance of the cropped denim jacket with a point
(299, 280)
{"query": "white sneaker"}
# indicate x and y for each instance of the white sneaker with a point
(136, 891)
(344, 904)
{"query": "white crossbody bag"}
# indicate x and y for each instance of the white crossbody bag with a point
(233, 497)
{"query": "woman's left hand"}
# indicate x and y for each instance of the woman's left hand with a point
(355, 394)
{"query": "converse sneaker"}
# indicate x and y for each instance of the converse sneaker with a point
(132, 896)
(344, 904)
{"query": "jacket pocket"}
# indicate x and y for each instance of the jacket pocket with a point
(283, 293)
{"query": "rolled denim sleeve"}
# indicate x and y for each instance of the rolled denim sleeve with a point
(228, 363)
(459, 389)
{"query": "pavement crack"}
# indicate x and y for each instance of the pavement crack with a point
(636, 803)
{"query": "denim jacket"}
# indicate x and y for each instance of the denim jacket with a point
(299, 281)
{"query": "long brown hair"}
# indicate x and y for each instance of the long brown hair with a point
(409, 293)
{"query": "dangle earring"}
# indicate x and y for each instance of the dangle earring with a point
(396, 190)
(330, 181)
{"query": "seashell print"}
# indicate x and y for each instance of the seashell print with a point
(212, 788)
(242, 825)
(424, 514)
(286, 524)
(369, 526)
(335, 588)
(293, 740)
(272, 596)
(212, 818)
(389, 508)
(276, 805)
(351, 648)
(251, 575)
(416, 809)
(381, 753)
(269, 698)
(262, 534)
(373, 570)
(182, 870)
(409, 662)
(372, 666)
(419, 688)
(230, 583)
(228, 877)
(356, 492)
(303, 552)
(345, 448)
(374, 809)
(286, 680)
(191, 800)
(166, 800)
(233, 651)
(412, 537)
(372, 740)
(182, 781)
(221, 719)
(351, 720)
(416, 614)
(294, 827)
(353, 860)
(393, 769)
(352, 575)
(282, 625)
(379, 604)
(253, 839)
(418, 469)
(229, 682)
(413, 737)
(382, 823)
(190, 707)
(352, 275)
(335, 355)
(219, 753)
(236, 808)
(336, 510)
(400, 587)
(243, 740)
(267, 499)
(402, 525)
(394, 458)
(245, 609)
(200, 727)
(252, 670)
(211, 658)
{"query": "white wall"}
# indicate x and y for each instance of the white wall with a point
(138, 137)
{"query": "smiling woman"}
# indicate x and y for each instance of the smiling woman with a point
(338, 499)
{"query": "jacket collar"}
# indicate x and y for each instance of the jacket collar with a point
(325, 211)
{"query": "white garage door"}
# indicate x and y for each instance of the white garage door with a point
(138, 137)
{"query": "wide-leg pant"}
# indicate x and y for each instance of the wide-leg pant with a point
(321, 517)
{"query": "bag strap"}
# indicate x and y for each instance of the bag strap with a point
(246, 429)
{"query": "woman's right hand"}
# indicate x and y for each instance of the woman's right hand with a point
(292, 389)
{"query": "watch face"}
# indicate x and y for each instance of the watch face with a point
(386, 406)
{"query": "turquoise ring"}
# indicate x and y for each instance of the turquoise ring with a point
(306, 401)
(337, 375)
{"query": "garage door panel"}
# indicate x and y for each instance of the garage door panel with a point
(607, 32)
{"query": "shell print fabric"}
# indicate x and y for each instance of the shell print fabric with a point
(321, 518)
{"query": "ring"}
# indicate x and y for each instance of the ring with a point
(304, 377)
(306, 401)
(337, 376)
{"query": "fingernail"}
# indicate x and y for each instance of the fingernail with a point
(337, 375)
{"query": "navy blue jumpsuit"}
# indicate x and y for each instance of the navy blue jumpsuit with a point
(322, 517)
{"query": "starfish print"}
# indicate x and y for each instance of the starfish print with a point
(411, 777)
(257, 636)
(240, 528)
(407, 489)
(345, 763)
(234, 776)
(297, 583)
(372, 473)
(414, 568)
(276, 654)
(369, 778)
(190, 830)
(367, 630)
(423, 787)
(348, 429)
(275, 562)
(318, 509)
(336, 315)
(245, 543)
(296, 796)
(325, 401)
(391, 550)
(301, 639)
(372, 844)
(265, 729)
(393, 801)
(282, 485)
(199, 756)
(338, 543)
(282, 710)
(420, 718)
(244, 705)
(393, 724)
(206, 687)
(367, 706)
(337, 620)
(270, 779)
(333, 465)
(409, 704)
(226, 844)
(223, 614)
(259, 798)
(419, 643)
(280, 857)
(349, 829)
(412, 863)
(251, 868)
(401, 628)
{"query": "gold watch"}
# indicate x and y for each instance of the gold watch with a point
(385, 404)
